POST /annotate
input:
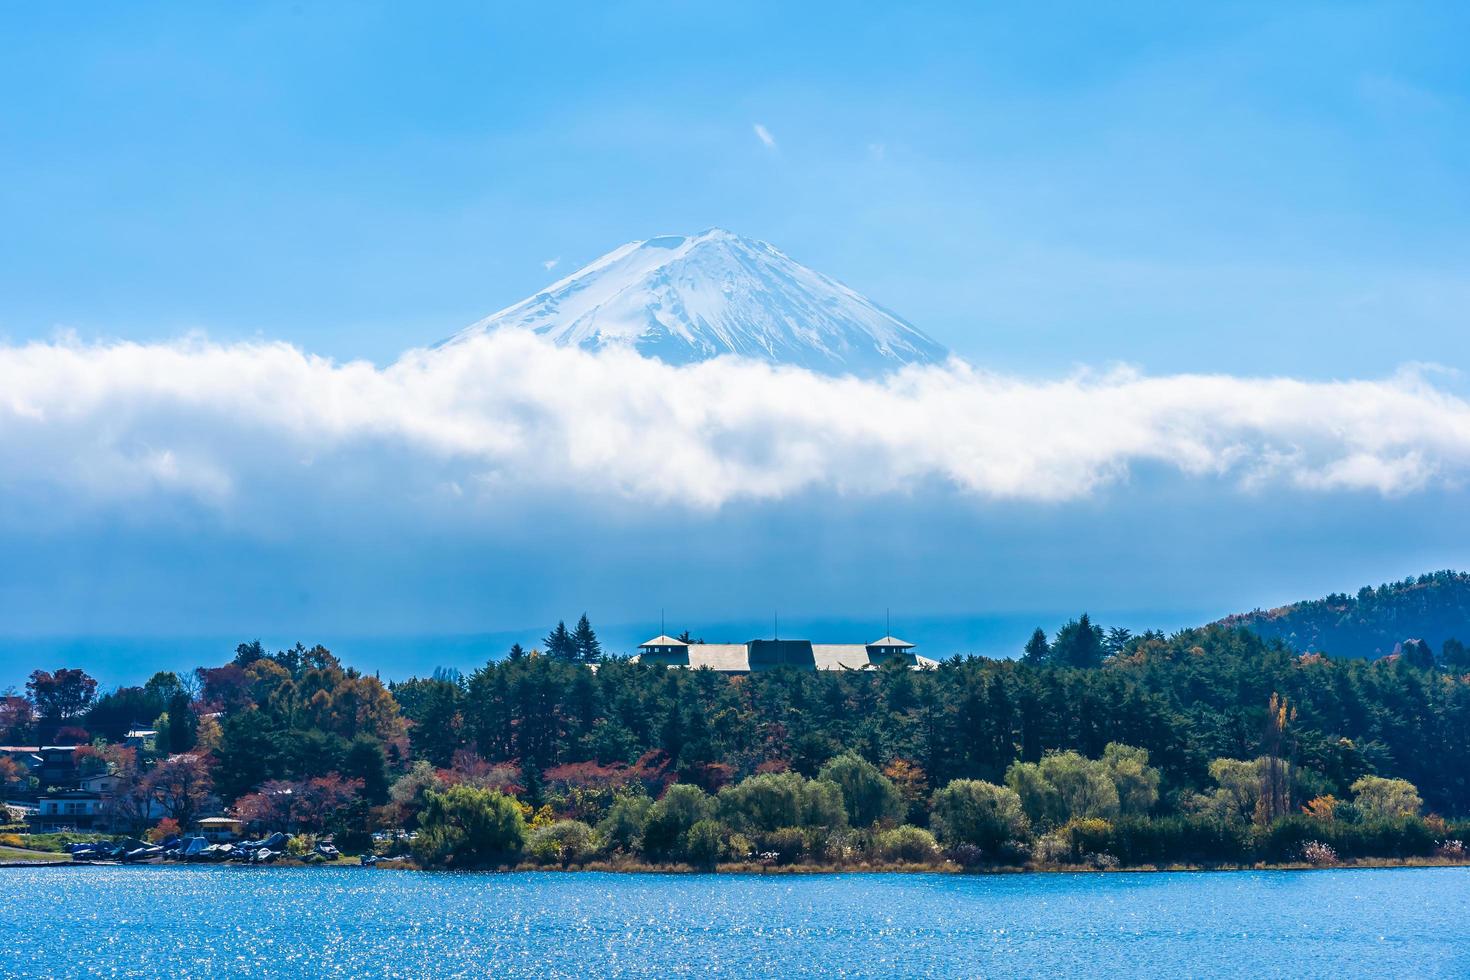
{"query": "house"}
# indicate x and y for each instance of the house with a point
(220, 829)
(142, 739)
(58, 765)
(103, 783)
(758, 655)
(76, 809)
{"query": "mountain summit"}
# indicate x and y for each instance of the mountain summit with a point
(684, 299)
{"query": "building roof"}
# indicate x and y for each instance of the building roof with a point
(663, 640)
(218, 821)
(760, 655)
(892, 641)
(72, 794)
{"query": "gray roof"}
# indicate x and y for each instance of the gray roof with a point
(736, 658)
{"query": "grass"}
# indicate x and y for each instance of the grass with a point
(8, 854)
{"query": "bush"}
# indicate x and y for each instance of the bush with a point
(911, 845)
(563, 842)
(681, 807)
(622, 828)
(703, 844)
(1283, 841)
(1318, 853)
(1377, 798)
(787, 844)
(868, 796)
(464, 827)
(741, 848)
(1089, 835)
(1170, 840)
(769, 801)
(300, 845)
(969, 811)
(1052, 848)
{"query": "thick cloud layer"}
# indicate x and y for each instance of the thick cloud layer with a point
(508, 414)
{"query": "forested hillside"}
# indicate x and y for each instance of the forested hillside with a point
(1433, 609)
(1210, 744)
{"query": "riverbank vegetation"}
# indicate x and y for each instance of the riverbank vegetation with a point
(1210, 747)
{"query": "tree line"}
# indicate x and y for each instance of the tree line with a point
(1210, 744)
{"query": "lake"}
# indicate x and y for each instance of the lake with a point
(213, 921)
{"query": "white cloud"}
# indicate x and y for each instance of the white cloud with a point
(764, 135)
(508, 413)
(550, 264)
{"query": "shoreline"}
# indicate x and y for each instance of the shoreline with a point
(747, 869)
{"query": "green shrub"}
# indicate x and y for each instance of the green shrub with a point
(770, 801)
(787, 844)
(669, 819)
(1377, 798)
(622, 828)
(563, 842)
(464, 827)
(912, 845)
(868, 796)
(970, 811)
(703, 844)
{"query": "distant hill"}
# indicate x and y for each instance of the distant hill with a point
(1432, 608)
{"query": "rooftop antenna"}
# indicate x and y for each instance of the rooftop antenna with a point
(887, 622)
(776, 624)
(662, 630)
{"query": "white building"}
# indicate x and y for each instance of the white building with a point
(757, 655)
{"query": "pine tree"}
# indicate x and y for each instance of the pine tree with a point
(560, 644)
(1079, 644)
(589, 651)
(1037, 649)
(1118, 638)
(516, 652)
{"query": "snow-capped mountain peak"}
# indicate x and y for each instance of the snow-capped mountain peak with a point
(689, 298)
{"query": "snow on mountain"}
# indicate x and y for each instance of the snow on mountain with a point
(684, 299)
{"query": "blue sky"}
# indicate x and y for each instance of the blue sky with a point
(1260, 188)
(1267, 190)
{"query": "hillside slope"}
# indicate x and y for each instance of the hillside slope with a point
(1432, 608)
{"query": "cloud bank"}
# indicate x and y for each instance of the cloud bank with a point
(508, 413)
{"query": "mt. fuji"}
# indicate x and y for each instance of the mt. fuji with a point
(685, 299)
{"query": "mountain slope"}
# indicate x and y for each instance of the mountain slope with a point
(684, 299)
(1433, 608)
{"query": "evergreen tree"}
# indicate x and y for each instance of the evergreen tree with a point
(1417, 654)
(1455, 655)
(1037, 649)
(182, 723)
(589, 651)
(1118, 638)
(516, 652)
(1079, 644)
(560, 644)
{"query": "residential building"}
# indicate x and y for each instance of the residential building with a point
(758, 655)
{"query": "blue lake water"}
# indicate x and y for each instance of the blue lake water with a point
(200, 922)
